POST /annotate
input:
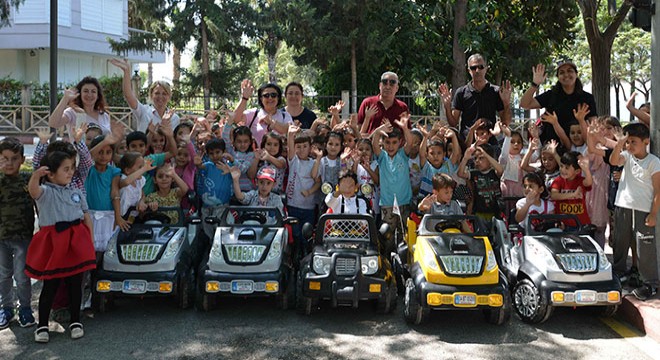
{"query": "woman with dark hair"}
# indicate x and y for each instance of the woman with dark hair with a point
(265, 118)
(83, 104)
(562, 99)
(294, 96)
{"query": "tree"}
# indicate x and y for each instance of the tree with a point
(600, 44)
(631, 62)
(5, 10)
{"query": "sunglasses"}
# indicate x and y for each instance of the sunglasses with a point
(390, 82)
(269, 95)
(475, 67)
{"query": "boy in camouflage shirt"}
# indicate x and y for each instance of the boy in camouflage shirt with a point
(16, 229)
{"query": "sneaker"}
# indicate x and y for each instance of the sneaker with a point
(644, 292)
(76, 330)
(41, 335)
(25, 317)
(6, 316)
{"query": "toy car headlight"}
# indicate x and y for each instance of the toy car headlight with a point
(172, 248)
(491, 262)
(322, 264)
(111, 252)
(539, 254)
(603, 263)
(429, 258)
(275, 249)
(369, 265)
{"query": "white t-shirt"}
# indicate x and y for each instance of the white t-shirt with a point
(364, 178)
(130, 195)
(103, 121)
(351, 205)
(300, 178)
(145, 114)
(546, 207)
(636, 184)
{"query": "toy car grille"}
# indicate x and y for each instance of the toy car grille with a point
(462, 264)
(140, 252)
(579, 262)
(346, 229)
(244, 253)
(345, 266)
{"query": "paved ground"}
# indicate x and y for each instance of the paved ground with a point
(254, 329)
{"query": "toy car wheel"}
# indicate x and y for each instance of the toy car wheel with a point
(102, 302)
(499, 316)
(185, 292)
(387, 303)
(606, 311)
(287, 298)
(203, 300)
(304, 305)
(413, 311)
(399, 274)
(529, 304)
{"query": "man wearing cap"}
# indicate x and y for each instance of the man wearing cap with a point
(263, 195)
(386, 105)
(477, 99)
(562, 99)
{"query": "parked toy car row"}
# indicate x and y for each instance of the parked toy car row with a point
(446, 262)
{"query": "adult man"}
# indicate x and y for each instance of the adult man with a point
(382, 106)
(476, 100)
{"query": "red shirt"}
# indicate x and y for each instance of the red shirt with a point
(576, 207)
(392, 113)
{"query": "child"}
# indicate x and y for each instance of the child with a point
(63, 248)
(214, 182)
(534, 201)
(549, 167)
(327, 167)
(511, 158)
(165, 195)
(366, 169)
(568, 190)
(132, 166)
(344, 199)
(263, 196)
(484, 181)
(394, 176)
(156, 141)
(637, 201)
(137, 142)
(184, 165)
(270, 154)
(16, 229)
(241, 151)
(91, 133)
(440, 202)
(481, 132)
(415, 162)
(434, 158)
(183, 131)
(302, 186)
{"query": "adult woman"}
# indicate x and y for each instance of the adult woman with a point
(294, 95)
(85, 101)
(159, 95)
(563, 99)
(268, 116)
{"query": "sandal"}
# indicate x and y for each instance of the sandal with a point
(41, 334)
(76, 330)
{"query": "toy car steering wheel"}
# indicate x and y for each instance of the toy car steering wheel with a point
(260, 218)
(443, 225)
(549, 226)
(156, 216)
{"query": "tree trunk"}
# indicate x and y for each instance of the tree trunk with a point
(206, 81)
(176, 67)
(617, 105)
(353, 78)
(272, 47)
(150, 74)
(458, 76)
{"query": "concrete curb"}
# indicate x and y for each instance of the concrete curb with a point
(643, 315)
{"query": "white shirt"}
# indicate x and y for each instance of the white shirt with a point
(145, 114)
(342, 205)
(636, 184)
(103, 121)
(131, 194)
(546, 207)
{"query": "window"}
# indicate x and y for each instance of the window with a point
(106, 16)
(38, 12)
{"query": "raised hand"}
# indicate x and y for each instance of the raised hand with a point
(403, 121)
(370, 111)
(336, 108)
(533, 129)
(70, 94)
(117, 131)
(293, 129)
(534, 144)
(148, 164)
(506, 130)
(318, 153)
(539, 74)
(552, 146)
(550, 118)
(619, 136)
(235, 172)
(246, 88)
(43, 133)
(40, 172)
(445, 94)
(583, 162)
(80, 132)
(505, 92)
(122, 64)
(581, 112)
(631, 101)
(211, 115)
(386, 126)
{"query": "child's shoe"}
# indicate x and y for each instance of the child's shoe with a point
(6, 316)
(25, 317)
(41, 335)
(76, 330)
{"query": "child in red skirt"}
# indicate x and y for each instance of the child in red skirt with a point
(63, 247)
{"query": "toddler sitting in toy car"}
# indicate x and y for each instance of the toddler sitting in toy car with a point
(440, 202)
(344, 199)
(263, 196)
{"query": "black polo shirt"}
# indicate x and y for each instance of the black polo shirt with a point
(475, 105)
(563, 105)
(306, 118)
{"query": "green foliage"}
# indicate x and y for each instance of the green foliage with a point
(10, 91)
(112, 90)
(5, 10)
(631, 58)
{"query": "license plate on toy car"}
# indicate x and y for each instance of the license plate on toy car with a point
(585, 297)
(242, 287)
(465, 300)
(134, 287)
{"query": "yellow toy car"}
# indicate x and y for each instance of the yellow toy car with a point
(452, 265)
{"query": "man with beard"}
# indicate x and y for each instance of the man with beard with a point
(382, 106)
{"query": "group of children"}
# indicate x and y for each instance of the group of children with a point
(87, 189)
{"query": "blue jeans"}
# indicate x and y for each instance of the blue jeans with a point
(12, 265)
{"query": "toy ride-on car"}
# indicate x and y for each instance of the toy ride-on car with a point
(453, 266)
(154, 257)
(345, 265)
(250, 256)
(557, 263)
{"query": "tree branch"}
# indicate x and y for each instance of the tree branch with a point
(613, 27)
